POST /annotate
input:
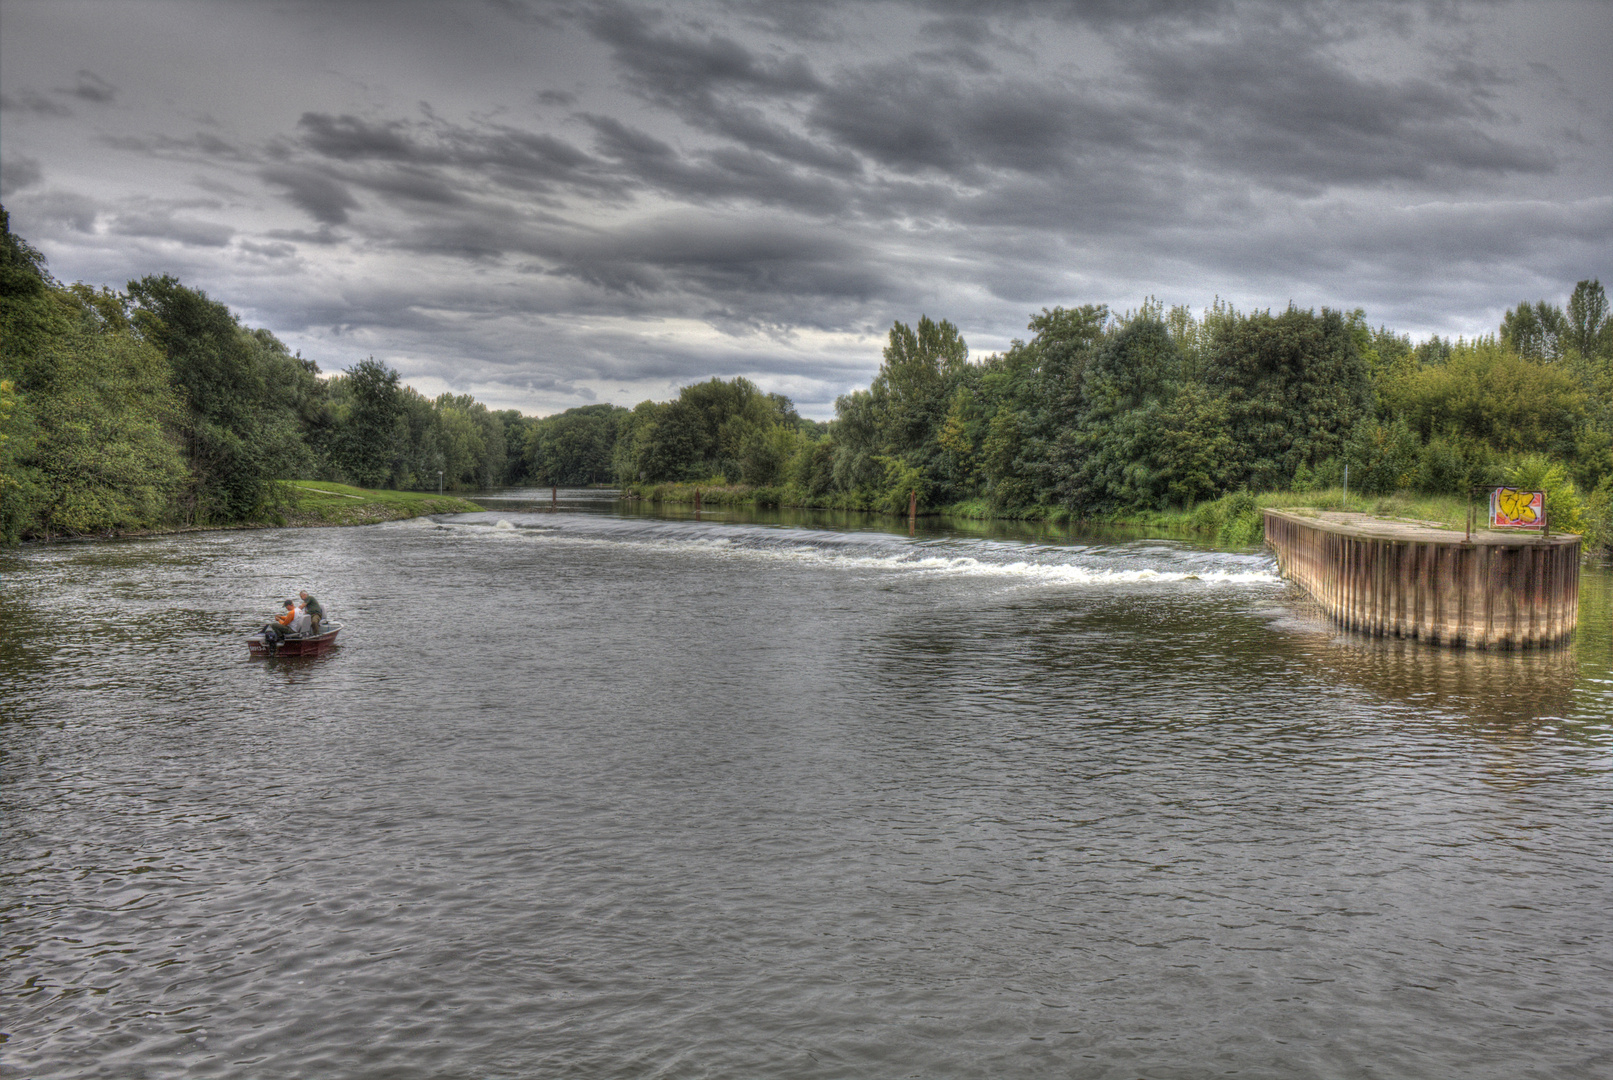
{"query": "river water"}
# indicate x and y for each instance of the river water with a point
(598, 792)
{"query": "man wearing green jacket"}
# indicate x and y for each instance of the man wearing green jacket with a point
(311, 608)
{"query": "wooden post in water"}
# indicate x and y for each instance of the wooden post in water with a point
(697, 504)
(912, 510)
(554, 497)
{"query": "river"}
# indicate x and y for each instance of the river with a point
(606, 792)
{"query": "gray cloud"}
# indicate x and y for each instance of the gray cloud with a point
(547, 201)
(1275, 106)
(676, 66)
(56, 208)
(349, 138)
(17, 173)
(163, 225)
(27, 101)
(92, 88)
(324, 198)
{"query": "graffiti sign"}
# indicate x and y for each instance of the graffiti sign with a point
(1513, 509)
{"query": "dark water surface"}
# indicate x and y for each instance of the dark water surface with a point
(597, 793)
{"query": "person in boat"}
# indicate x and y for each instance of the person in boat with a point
(315, 613)
(300, 622)
(275, 632)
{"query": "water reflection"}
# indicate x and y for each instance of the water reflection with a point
(1510, 690)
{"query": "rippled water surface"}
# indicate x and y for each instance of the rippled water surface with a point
(597, 793)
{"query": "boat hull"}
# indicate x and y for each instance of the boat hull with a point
(304, 646)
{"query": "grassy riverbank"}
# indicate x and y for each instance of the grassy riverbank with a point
(307, 504)
(319, 502)
(1234, 519)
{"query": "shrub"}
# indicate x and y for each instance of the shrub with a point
(1536, 472)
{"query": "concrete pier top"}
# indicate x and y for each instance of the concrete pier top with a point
(1346, 523)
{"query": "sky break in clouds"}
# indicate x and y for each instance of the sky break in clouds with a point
(553, 204)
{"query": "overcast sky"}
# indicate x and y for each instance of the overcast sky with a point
(554, 204)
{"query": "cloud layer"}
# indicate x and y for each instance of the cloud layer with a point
(551, 204)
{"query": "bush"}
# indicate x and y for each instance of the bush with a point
(1598, 517)
(1536, 472)
(1242, 521)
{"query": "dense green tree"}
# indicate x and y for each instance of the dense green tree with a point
(574, 447)
(703, 432)
(1589, 328)
(1113, 457)
(1489, 394)
(104, 458)
(241, 426)
(857, 443)
(1294, 385)
(911, 390)
(1537, 331)
(87, 435)
(369, 442)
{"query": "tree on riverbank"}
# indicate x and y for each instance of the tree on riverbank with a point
(154, 405)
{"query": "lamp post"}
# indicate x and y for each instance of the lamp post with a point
(439, 483)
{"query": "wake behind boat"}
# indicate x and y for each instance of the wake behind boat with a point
(264, 644)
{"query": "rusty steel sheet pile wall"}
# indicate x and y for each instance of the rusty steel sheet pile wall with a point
(1495, 590)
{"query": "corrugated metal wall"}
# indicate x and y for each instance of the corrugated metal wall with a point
(1484, 594)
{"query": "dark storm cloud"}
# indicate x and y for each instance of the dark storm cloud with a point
(324, 236)
(494, 154)
(697, 78)
(164, 225)
(323, 198)
(663, 192)
(202, 146)
(18, 172)
(27, 101)
(348, 138)
(1274, 106)
(723, 258)
(676, 67)
(914, 121)
(91, 87)
(642, 160)
(66, 209)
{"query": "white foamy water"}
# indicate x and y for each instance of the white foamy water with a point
(1075, 565)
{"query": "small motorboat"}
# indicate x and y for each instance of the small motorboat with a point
(261, 644)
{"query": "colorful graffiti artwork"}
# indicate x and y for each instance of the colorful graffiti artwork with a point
(1513, 509)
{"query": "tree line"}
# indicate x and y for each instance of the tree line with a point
(156, 405)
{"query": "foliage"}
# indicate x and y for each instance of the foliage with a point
(119, 410)
(1589, 327)
(1489, 394)
(1536, 472)
(574, 447)
(1295, 386)
(1535, 331)
(325, 502)
(103, 458)
(244, 424)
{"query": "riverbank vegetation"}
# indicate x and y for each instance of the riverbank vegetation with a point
(323, 502)
(1176, 420)
(156, 405)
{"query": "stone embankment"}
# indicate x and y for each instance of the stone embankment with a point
(1488, 590)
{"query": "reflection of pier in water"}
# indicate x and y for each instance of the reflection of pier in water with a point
(1506, 690)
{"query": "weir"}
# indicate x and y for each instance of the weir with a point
(1490, 590)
